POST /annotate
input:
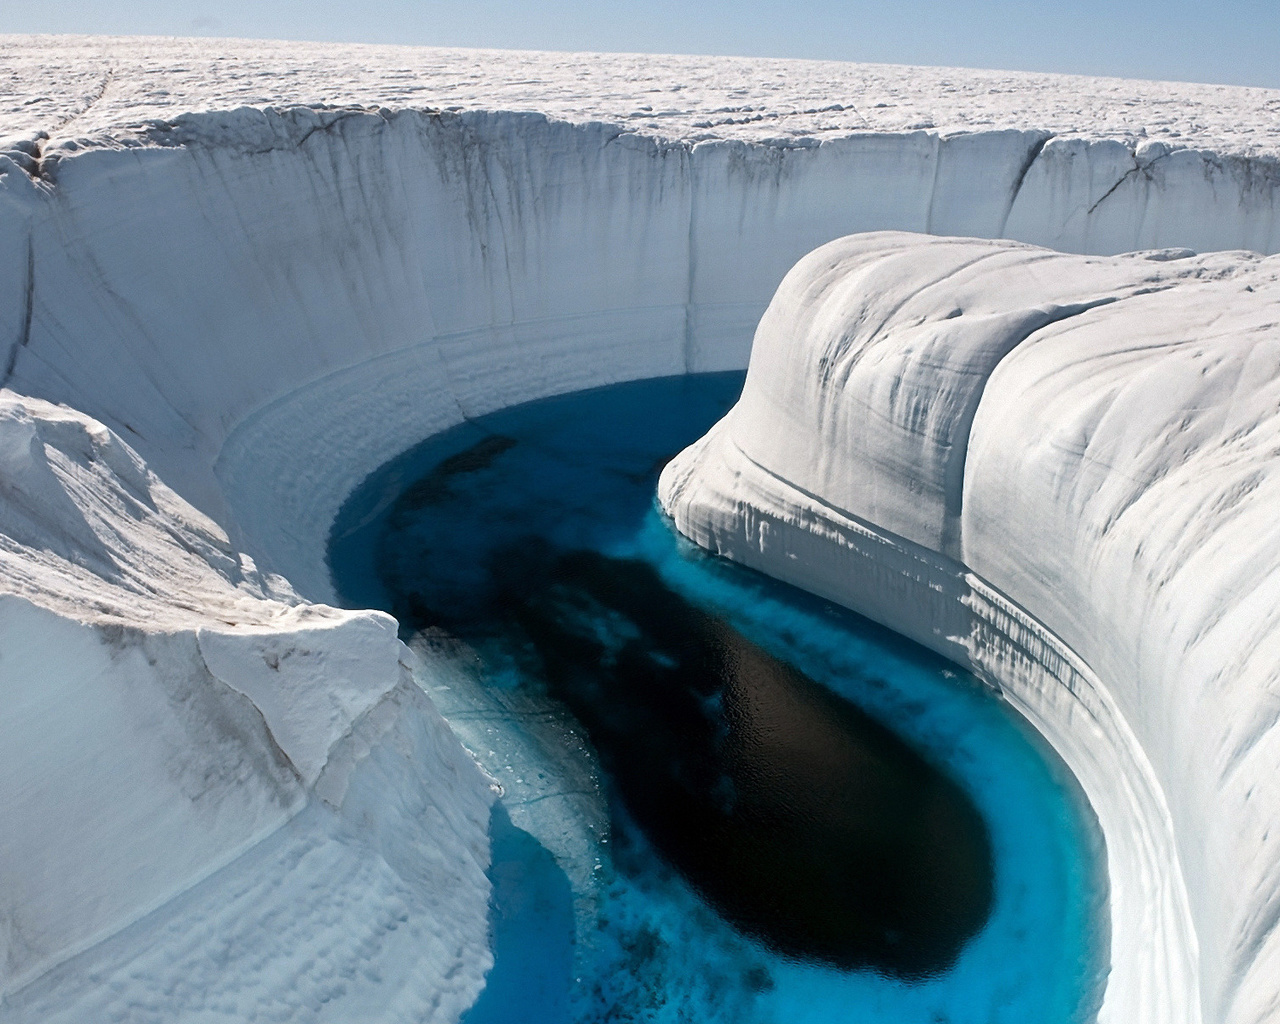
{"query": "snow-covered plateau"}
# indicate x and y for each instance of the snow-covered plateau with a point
(237, 277)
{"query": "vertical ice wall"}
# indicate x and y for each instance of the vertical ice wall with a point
(390, 272)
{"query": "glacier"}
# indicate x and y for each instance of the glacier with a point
(235, 278)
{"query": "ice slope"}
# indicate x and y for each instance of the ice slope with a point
(265, 269)
(167, 707)
(1062, 470)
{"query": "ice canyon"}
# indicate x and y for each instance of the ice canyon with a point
(1012, 393)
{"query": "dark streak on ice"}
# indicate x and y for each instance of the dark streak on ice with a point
(29, 299)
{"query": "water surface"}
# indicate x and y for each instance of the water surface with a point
(729, 800)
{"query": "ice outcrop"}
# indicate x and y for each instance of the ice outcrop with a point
(1063, 471)
(261, 301)
(168, 707)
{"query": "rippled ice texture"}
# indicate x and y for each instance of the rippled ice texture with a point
(589, 923)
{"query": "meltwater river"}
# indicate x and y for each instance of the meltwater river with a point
(724, 799)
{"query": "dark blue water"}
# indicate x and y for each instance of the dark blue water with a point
(724, 799)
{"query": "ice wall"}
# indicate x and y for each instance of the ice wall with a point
(266, 304)
(294, 295)
(1061, 470)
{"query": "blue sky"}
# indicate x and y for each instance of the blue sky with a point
(1235, 41)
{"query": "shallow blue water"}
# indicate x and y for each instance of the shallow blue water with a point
(589, 922)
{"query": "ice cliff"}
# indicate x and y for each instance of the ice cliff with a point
(1062, 471)
(260, 301)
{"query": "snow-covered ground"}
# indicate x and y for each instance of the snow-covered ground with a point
(266, 268)
(70, 85)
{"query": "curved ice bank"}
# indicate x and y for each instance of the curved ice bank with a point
(1062, 471)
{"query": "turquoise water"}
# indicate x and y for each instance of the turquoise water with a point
(607, 903)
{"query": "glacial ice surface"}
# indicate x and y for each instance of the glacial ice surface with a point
(91, 84)
(254, 271)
